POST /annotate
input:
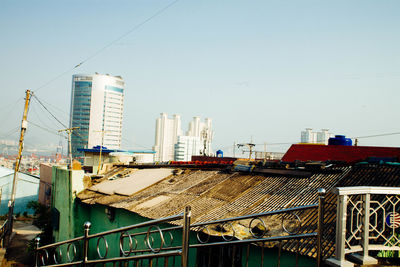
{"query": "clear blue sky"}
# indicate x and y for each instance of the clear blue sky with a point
(266, 69)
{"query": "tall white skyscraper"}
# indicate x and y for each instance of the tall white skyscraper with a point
(171, 144)
(97, 103)
(167, 132)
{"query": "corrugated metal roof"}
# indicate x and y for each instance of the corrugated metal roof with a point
(216, 195)
(132, 183)
(222, 195)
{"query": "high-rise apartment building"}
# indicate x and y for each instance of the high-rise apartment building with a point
(167, 132)
(97, 103)
(322, 137)
(171, 144)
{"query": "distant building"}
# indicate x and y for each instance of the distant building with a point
(96, 108)
(167, 132)
(322, 137)
(197, 140)
(186, 147)
(171, 144)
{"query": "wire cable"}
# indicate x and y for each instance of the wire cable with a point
(376, 135)
(135, 28)
(40, 102)
(47, 130)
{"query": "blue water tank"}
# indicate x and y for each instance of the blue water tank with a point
(220, 154)
(349, 142)
(340, 140)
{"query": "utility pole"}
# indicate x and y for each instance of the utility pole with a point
(69, 132)
(101, 148)
(250, 146)
(24, 125)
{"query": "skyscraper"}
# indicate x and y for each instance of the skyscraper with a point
(167, 132)
(97, 103)
(171, 144)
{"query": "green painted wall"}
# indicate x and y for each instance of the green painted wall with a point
(65, 185)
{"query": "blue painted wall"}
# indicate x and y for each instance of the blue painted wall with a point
(27, 190)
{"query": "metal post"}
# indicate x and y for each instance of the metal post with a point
(321, 202)
(341, 227)
(69, 132)
(365, 225)
(37, 241)
(86, 227)
(185, 236)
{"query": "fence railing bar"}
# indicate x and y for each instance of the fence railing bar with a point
(156, 231)
(62, 243)
(65, 264)
(136, 257)
(139, 225)
(262, 255)
(268, 213)
(247, 255)
(258, 240)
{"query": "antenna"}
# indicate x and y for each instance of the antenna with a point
(101, 147)
(250, 146)
(69, 132)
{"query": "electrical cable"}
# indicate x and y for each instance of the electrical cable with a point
(74, 132)
(7, 115)
(44, 124)
(136, 27)
(55, 132)
(133, 143)
(376, 135)
(40, 102)
(63, 112)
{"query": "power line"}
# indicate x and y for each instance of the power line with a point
(11, 110)
(74, 133)
(41, 121)
(45, 129)
(65, 113)
(40, 102)
(135, 28)
(376, 135)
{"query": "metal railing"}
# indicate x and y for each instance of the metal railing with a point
(368, 219)
(213, 243)
(52, 255)
(3, 233)
(239, 233)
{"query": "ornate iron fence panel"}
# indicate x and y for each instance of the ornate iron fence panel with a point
(368, 219)
(136, 243)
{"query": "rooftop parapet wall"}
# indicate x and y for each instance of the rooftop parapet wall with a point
(348, 154)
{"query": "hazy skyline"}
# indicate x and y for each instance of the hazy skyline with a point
(260, 69)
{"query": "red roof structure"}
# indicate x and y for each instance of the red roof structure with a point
(348, 154)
